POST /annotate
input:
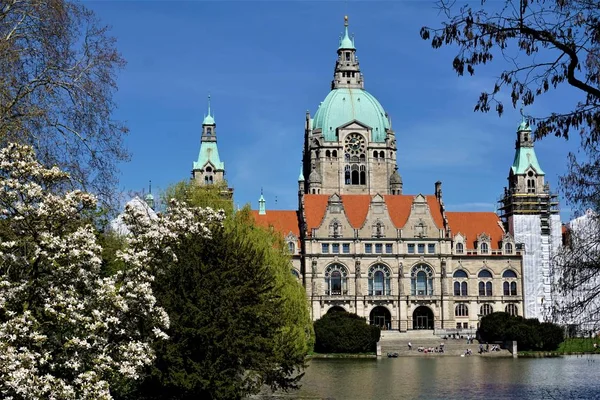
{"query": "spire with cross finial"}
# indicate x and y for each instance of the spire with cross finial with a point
(262, 210)
(347, 71)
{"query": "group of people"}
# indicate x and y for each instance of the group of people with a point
(421, 349)
(487, 349)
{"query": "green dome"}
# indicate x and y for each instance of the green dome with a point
(344, 105)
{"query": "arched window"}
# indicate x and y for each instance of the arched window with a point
(335, 280)
(509, 273)
(484, 248)
(508, 248)
(460, 274)
(379, 280)
(486, 309)
(295, 273)
(334, 153)
(209, 131)
(485, 282)
(461, 310)
(206, 180)
(363, 175)
(460, 283)
(422, 280)
(381, 154)
(509, 285)
(531, 185)
(347, 175)
(291, 247)
(459, 248)
(328, 154)
(511, 309)
(375, 154)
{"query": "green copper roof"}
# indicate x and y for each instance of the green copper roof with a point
(209, 153)
(301, 176)
(525, 158)
(524, 126)
(344, 105)
(208, 120)
(346, 42)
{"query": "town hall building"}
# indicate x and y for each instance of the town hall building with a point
(359, 243)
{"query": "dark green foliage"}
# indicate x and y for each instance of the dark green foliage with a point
(530, 334)
(237, 318)
(343, 332)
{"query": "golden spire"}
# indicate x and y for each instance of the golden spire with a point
(345, 20)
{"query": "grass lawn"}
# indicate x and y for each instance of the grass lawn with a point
(578, 345)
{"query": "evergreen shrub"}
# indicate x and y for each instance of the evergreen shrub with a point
(344, 332)
(530, 334)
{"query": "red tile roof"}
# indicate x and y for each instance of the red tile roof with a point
(472, 224)
(284, 221)
(356, 207)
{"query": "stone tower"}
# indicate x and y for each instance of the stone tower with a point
(209, 168)
(530, 213)
(349, 145)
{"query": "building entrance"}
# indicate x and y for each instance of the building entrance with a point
(423, 318)
(381, 317)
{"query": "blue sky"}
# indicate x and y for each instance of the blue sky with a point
(266, 62)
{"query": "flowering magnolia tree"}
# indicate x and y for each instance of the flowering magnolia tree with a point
(65, 331)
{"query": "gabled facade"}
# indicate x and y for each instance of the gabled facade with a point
(360, 244)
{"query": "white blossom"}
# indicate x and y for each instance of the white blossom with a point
(66, 331)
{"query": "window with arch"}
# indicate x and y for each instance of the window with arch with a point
(461, 310)
(485, 282)
(511, 309)
(379, 280)
(421, 280)
(375, 154)
(508, 248)
(334, 153)
(292, 247)
(530, 182)
(336, 280)
(355, 149)
(484, 248)
(209, 131)
(295, 273)
(486, 309)
(459, 248)
(381, 154)
(327, 153)
(460, 283)
(509, 285)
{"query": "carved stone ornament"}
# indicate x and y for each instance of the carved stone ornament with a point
(314, 267)
(357, 268)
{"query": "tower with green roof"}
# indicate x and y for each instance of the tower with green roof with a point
(530, 213)
(208, 169)
(349, 144)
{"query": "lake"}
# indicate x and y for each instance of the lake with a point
(446, 377)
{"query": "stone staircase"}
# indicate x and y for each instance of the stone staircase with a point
(397, 342)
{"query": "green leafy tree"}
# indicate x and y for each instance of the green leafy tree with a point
(239, 319)
(530, 334)
(216, 196)
(344, 332)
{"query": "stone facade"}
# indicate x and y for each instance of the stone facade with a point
(402, 261)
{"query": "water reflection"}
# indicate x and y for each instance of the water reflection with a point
(451, 378)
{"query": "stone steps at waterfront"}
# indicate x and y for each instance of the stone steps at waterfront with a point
(454, 347)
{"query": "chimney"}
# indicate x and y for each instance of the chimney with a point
(438, 190)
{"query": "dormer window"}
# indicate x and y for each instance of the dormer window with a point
(484, 248)
(459, 248)
(508, 248)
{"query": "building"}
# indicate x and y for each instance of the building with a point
(404, 262)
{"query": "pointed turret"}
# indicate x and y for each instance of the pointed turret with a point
(262, 209)
(209, 168)
(347, 71)
(149, 198)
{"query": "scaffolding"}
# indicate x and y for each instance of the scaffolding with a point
(534, 220)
